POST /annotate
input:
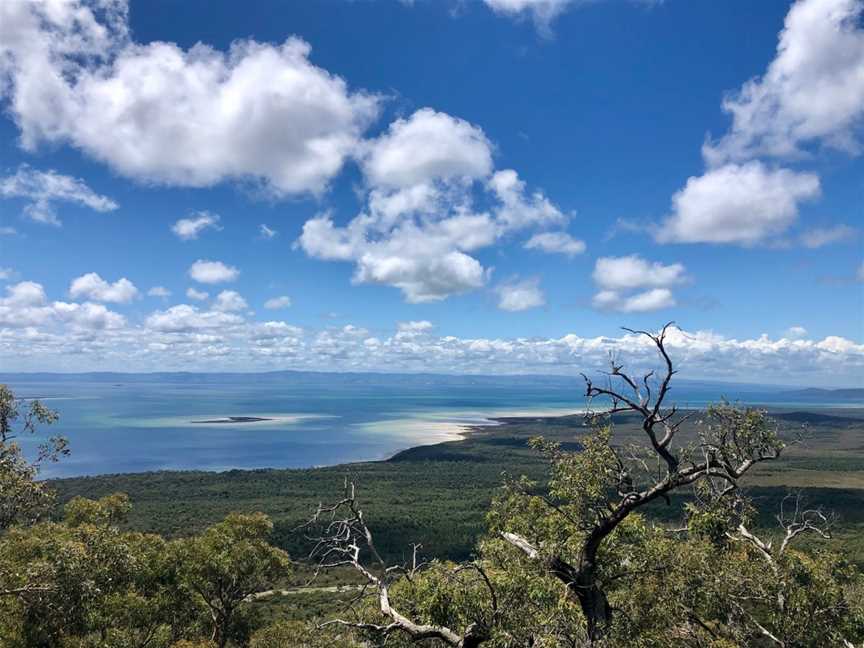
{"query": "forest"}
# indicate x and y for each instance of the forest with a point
(638, 524)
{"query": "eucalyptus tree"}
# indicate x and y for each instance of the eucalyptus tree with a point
(22, 498)
(578, 561)
(227, 565)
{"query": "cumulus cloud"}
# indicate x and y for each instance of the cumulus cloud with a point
(542, 12)
(518, 209)
(92, 286)
(159, 113)
(188, 338)
(88, 316)
(415, 326)
(159, 291)
(619, 278)
(617, 273)
(185, 318)
(42, 189)
(212, 272)
(277, 303)
(641, 302)
(26, 305)
(519, 295)
(428, 144)
(822, 236)
(229, 301)
(420, 224)
(188, 229)
(737, 203)
(811, 96)
(197, 295)
(795, 333)
(813, 90)
(556, 243)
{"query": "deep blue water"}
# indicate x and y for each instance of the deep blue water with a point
(142, 426)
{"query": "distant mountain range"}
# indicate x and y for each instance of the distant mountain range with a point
(334, 379)
(305, 378)
(815, 394)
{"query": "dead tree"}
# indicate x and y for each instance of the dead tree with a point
(723, 452)
(346, 541)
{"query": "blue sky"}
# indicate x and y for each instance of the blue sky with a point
(449, 186)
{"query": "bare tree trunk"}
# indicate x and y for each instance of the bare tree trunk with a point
(594, 604)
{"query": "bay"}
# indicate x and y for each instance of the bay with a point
(119, 423)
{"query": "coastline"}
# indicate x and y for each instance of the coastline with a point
(468, 433)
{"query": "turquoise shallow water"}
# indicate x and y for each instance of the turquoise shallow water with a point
(141, 426)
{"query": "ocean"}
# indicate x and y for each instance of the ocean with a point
(136, 423)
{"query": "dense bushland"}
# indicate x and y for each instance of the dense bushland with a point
(644, 539)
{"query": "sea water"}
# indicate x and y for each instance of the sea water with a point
(115, 426)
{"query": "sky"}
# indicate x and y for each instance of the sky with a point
(433, 185)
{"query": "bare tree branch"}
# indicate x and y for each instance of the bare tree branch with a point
(344, 538)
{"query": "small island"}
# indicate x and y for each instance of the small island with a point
(235, 419)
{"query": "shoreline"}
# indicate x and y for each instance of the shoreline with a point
(465, 432)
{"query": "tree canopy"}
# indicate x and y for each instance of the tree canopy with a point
(577, 558)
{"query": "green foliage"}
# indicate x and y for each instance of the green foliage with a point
(227, 563)
(88, 582)
(677, 573)
(295, 634)
(22, 498)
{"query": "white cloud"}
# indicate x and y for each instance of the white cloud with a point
(617, 273)
(556, 243)
(542, 12)
(229, 301)
(267, 232)
(25, 293)
(187, 338)
(6, 273)
(425, 262)
(42, 189)
(415, 326)
(212, 272)
(185, 318)
(822, 236)
(420, 224)
(92, 286)
(188, 229)
(8, 231)
(619, 278)
(737, 203)
(813, 90)
(197, 295)
(158, 113)
(519, 295)
(795, 333)
(428, 145)
(88, 316)
(642, 302)
(519, 210)
(277, 303)
(159, 291)
(26, 305)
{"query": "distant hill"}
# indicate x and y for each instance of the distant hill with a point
(707, 389)
(337, 378)
(825, 395)
(301, 378)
